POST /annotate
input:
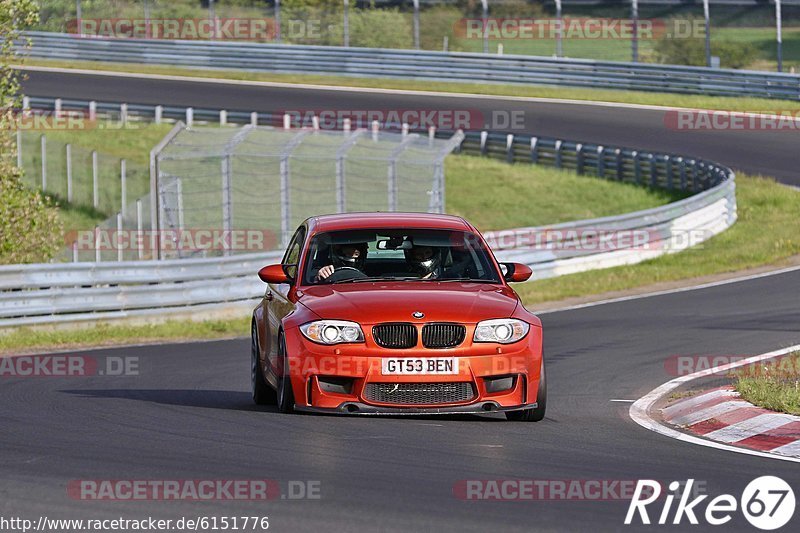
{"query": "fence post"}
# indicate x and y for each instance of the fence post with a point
(404, 129)
(122, 184)
(43, 141)
(682, 171)
(223, 117)
(534, 150)
(694, 175)
(668, 168)
(431, 135)
(26, 106)
(637, 167)
(254, 119)
(510, 148)
(74, 251)
(601, 162)
(159, 114)
(416, 24)
(346, 23)
(558, 160)
(277, 21)
(635, 32)
(97, 257)
(19, 148)
(653, 171)
(69, 172)
(179, 194)
(375, 128)
(57, 107)
(559, 30)
(95, 191)
(485, 22)
(227, 198)
(119, 235)
(620, 167)
(92, 111)
(346, 125)
(579, 158)
(189, 117)
(139, 236)
(484, 138)
(287, 121)
(123, 114)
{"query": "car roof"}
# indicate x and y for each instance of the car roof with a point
(383, 220)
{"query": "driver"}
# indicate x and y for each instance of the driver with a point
(344, 255)
(424, 261)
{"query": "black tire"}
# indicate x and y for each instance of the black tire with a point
(537, 413)
(285, 394)
(263, 394)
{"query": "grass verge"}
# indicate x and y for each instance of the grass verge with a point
(604, 95)
(528, 195)
(775, 386)
(31, 339)
(765, 233)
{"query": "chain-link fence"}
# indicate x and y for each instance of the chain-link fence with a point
(742, 33)
(253, 185)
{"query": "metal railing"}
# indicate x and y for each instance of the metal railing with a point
(74, 292)
(417, 64)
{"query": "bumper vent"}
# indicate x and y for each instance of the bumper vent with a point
(397, 336)
(419, 393)
(443, 335)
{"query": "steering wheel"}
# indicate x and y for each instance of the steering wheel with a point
(343, 273)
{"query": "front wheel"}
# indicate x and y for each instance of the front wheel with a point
(263, 394)
(537, 413)
(285, 393)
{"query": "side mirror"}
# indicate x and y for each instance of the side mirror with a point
(516, 272)
(273, 274)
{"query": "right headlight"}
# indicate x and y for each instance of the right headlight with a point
(332, 331)
(502, 330)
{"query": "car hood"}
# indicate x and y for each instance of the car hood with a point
(371, 303)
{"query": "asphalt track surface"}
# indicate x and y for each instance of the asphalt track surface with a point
(188, 414)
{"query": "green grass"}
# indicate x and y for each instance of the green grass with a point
(775, 385)
(528, 195)
(633, 97)
(765, 233)
(30, 339)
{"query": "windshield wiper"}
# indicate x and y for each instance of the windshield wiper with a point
(373, 278)
(470, 280)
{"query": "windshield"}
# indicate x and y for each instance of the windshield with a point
(353, 256)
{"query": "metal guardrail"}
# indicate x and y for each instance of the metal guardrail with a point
(417, 64)
(55, 293)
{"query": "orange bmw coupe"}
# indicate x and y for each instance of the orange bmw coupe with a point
(395, 313)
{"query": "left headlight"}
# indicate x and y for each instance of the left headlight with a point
(502, 330)
(332, 331)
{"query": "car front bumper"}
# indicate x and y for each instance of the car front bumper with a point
(312, 366)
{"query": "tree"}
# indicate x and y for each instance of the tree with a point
(30, 230)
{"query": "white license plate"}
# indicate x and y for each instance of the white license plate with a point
(419, 366)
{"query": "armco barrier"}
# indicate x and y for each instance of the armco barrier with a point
(417, 64)
(74, 292)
